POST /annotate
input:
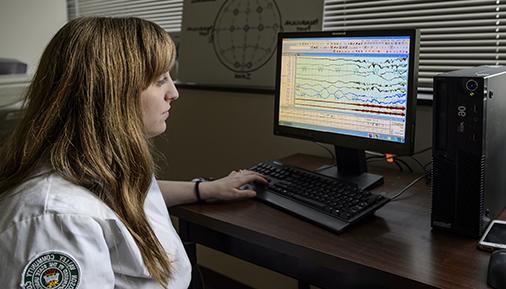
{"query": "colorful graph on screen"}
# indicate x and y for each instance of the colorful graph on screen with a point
(353, 86)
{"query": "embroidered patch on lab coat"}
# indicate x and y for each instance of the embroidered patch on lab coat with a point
(51, 269)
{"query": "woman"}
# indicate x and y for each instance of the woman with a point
(80, 206)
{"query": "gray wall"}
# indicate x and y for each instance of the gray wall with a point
(26, 26)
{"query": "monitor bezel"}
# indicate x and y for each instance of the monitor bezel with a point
(342, 140)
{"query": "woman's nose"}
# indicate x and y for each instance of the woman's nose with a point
(172, 93)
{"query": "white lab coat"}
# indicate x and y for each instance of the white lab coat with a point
(48, 218)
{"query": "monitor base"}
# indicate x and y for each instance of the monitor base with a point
(365, 181)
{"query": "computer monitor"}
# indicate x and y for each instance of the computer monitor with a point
(353, 89)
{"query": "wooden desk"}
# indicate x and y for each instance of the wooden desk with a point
(395, 248)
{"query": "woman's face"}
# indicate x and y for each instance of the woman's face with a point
(155, 104)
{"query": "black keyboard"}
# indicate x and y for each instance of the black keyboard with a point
(329, 202)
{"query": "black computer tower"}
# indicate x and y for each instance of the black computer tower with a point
(469, 149)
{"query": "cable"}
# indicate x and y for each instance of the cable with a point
(422, 151)
(404, 163)
(397, 158)
(427, 164)
(418, 162)
(377, 159)
(416, 153)
(396, 161)
(327, 149)
(407, 187)
(398, 165)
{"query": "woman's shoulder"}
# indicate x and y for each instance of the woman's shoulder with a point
(49, 193)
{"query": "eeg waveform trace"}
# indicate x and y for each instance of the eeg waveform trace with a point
(351, 86)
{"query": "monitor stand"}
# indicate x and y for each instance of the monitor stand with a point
(352, 166)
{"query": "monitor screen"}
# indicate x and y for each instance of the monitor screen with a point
(352, 89)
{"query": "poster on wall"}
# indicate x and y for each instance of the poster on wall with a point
(232, 43)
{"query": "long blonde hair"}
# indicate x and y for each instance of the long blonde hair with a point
(83, 116)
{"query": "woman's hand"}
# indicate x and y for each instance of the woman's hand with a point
(227, 188)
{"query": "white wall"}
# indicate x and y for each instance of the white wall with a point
(26, 26)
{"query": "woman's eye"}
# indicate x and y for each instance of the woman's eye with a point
(162, 81)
